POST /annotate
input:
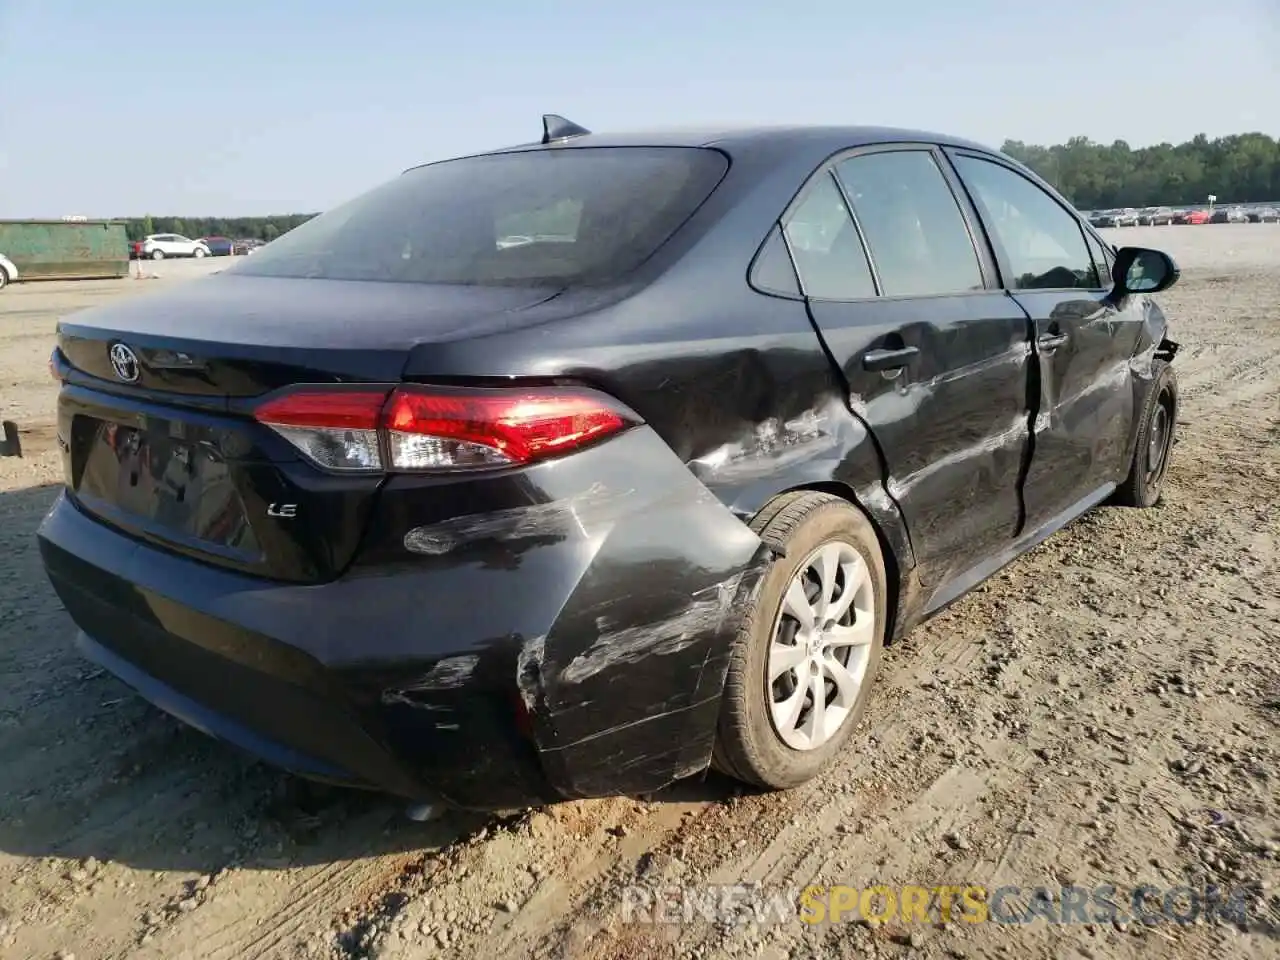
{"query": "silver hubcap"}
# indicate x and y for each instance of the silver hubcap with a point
(821, 646)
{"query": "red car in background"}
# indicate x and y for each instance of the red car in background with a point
(1192, 217)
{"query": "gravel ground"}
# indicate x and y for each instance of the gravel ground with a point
(1104, 711)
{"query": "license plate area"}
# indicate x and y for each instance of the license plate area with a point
(154, 476)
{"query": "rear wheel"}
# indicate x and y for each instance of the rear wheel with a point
(4, 278)
(157, 254)
(807, 652)
(200, 253)
(1154, 444)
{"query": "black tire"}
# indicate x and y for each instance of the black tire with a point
(157, 254)
(748, 748)
(199, 253)
(1158, 422)
(4, 278)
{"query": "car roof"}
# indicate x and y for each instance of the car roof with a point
(821, 141)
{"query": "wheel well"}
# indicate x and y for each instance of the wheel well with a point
(892, 565)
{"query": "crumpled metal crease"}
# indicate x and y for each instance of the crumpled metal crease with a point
(772, 445)
(619, 644)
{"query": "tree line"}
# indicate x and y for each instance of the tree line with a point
(1243, 168)
(235, 228)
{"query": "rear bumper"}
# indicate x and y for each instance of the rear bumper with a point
(599, 672)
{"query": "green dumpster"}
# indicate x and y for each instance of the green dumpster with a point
(65, 249)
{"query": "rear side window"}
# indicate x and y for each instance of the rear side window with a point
(1042, 241)
(772, 271)
(825, 246)
(581, 215)
(913, 224)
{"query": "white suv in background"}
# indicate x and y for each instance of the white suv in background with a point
(8, 272)
(161, 245)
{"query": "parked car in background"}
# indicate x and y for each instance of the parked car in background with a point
(1192, 217)
(1128, 217)
(161, 245)
(1104, 218)
(1229, 215)
(509, 525)
(218, 246)
(8, 272)
(246, 246)
(1156, 216)
(1264, 215)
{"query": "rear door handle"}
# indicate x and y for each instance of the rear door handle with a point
(1052, 341)
(889, 359)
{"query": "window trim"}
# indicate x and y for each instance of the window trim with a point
(827, 172)
(968, 216)
(1002, 260)
(1108, 257)
(753, 268)
(987, 264)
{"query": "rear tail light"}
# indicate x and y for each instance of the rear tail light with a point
(334, 429)
(440, 429)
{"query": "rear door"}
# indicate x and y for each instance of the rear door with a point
(934, 355)
(1083, 341)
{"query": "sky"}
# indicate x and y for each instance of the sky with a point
(240, 108)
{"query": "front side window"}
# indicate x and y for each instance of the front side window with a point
(556, 217)
(1043, 242)
(825, 246)
(1102, 260)
(913, 225)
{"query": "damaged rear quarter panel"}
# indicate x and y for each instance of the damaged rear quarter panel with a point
(624, 688)
(604, 601)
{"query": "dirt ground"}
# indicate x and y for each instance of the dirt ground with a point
(1104, 711)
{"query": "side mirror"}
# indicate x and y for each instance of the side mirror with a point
(1140, 270)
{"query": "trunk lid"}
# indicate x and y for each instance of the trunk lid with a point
(173, 456)
(228, 337)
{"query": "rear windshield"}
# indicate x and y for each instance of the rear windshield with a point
(580, 215)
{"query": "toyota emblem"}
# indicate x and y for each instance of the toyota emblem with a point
(124, 362)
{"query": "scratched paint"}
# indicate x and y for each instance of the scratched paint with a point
(772, 445)
(448, 674)
(529, 670)
(573, 516)
(619, 644)
(1014, 357)
(1010, 438)
(905, 402)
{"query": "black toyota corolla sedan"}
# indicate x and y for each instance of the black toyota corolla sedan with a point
(577, 467)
